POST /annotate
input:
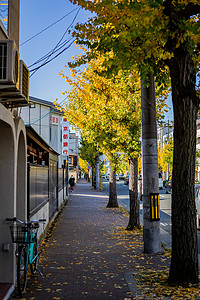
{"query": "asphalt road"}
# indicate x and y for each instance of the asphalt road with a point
(165, 204)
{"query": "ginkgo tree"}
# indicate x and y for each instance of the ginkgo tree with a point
(162, 37)
(87, 153)
(108, 112)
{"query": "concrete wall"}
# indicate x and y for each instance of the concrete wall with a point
(13, 21)
(60, 196)
(12, 186)
(43, 213)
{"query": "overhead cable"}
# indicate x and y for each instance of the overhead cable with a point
(48, 27)
(46, 55)
(46, 59)
(51, 110)
(45, 63)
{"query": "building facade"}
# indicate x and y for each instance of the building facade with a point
(14, 85)
(52, 126)
(43, 116)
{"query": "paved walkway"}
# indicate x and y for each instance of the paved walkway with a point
(89, 255)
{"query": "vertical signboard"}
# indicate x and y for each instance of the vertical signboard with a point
(54, 120)
(65, 137)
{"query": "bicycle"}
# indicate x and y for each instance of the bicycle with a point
(25, 234)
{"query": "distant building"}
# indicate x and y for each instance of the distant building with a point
(163, 134)
(74, 144)
(43, 116)
(47, 120)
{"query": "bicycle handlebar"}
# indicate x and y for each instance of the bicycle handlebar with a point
(11, 219)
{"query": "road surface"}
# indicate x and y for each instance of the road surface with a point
(165, 206)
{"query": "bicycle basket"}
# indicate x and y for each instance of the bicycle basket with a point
(20, 234)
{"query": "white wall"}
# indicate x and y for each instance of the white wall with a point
(13, 174)
(43, 213)
(38, 116)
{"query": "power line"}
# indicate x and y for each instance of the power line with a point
(48, 27)
(45, 63)
(46, 55)
(55, 49)
(53, 109)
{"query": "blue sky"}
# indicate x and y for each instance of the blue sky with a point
(36, 15)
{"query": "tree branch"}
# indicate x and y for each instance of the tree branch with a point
(190, 10)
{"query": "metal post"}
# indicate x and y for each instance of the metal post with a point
(28, 191)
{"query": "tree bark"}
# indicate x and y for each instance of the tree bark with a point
(97, 171)
(184, 262)
(134, 216)
(112, 189)
(151, 229)
(93, 177)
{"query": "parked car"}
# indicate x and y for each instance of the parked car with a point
(117, 177)
(160, 180)
(126, 180)
(107, 176)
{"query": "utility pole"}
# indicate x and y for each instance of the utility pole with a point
(151, 210)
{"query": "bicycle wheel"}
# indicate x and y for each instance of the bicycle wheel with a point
(35, 255)
(22, 270)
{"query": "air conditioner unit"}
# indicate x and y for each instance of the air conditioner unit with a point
(9, 63)
(24, 80)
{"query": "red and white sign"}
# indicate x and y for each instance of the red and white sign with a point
(54, 120)
(65, 137)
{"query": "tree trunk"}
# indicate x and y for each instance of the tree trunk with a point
(93, 177)
(151, 228)
(112, 189)
(134, 216)
(184, 262)
(97, 171)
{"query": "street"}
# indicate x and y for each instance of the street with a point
(165, 205)
(165, 202)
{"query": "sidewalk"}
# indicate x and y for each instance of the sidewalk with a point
(89, 255)
(164, 235)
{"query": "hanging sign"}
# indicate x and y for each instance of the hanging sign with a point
(54, 120)
(65, 137)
